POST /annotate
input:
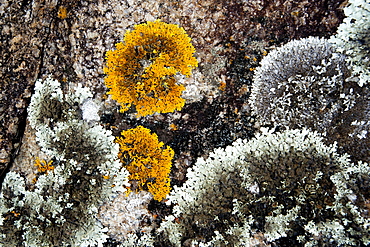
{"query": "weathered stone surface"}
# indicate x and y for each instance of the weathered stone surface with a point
(24, 31)
(68, 40)
(38, 39)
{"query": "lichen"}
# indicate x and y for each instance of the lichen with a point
(147, 160)
(275, 185)
(302, 84)
(352, 38)
(43, 166)
(61, 207)
(62, 12)
(141, 71)
(127, 215)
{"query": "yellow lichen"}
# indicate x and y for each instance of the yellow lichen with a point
(140, 72)
(15, 213)
(62, 12)
(174, 127)
(43, 166)
(222, 86)
(147, 161)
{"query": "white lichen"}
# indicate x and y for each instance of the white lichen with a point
(62, 207)
(302, 84)
(299, 180)
(353, 38)
(146, 240)
(90, 111)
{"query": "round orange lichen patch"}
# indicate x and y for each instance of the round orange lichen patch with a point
(141, 70)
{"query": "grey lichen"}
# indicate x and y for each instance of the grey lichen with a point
(302, 84)
(46, 102)
(145, 240)
(288, 186)
(61, 208)
(353, 38)
(50, 105)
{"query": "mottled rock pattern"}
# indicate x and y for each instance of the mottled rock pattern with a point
(26, 30)
(68, 39)
(36, 39)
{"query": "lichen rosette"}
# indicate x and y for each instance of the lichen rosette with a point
(141, 70)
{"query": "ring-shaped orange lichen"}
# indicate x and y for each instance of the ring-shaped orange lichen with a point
(140, 72)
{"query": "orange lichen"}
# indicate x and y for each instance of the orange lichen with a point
(15, 213)
(173, 127)
(43, 166)
(62, 13)
(147, 161)
(295, 13)
(140, 72)
(222, 86)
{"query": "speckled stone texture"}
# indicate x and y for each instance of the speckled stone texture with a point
(126, 214)
(230, 38)
(36, 41)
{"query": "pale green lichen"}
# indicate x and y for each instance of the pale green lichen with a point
(146, 240)
(273, 185)
(353, 38)
(62, 208)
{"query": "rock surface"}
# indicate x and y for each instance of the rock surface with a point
(68, 39)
